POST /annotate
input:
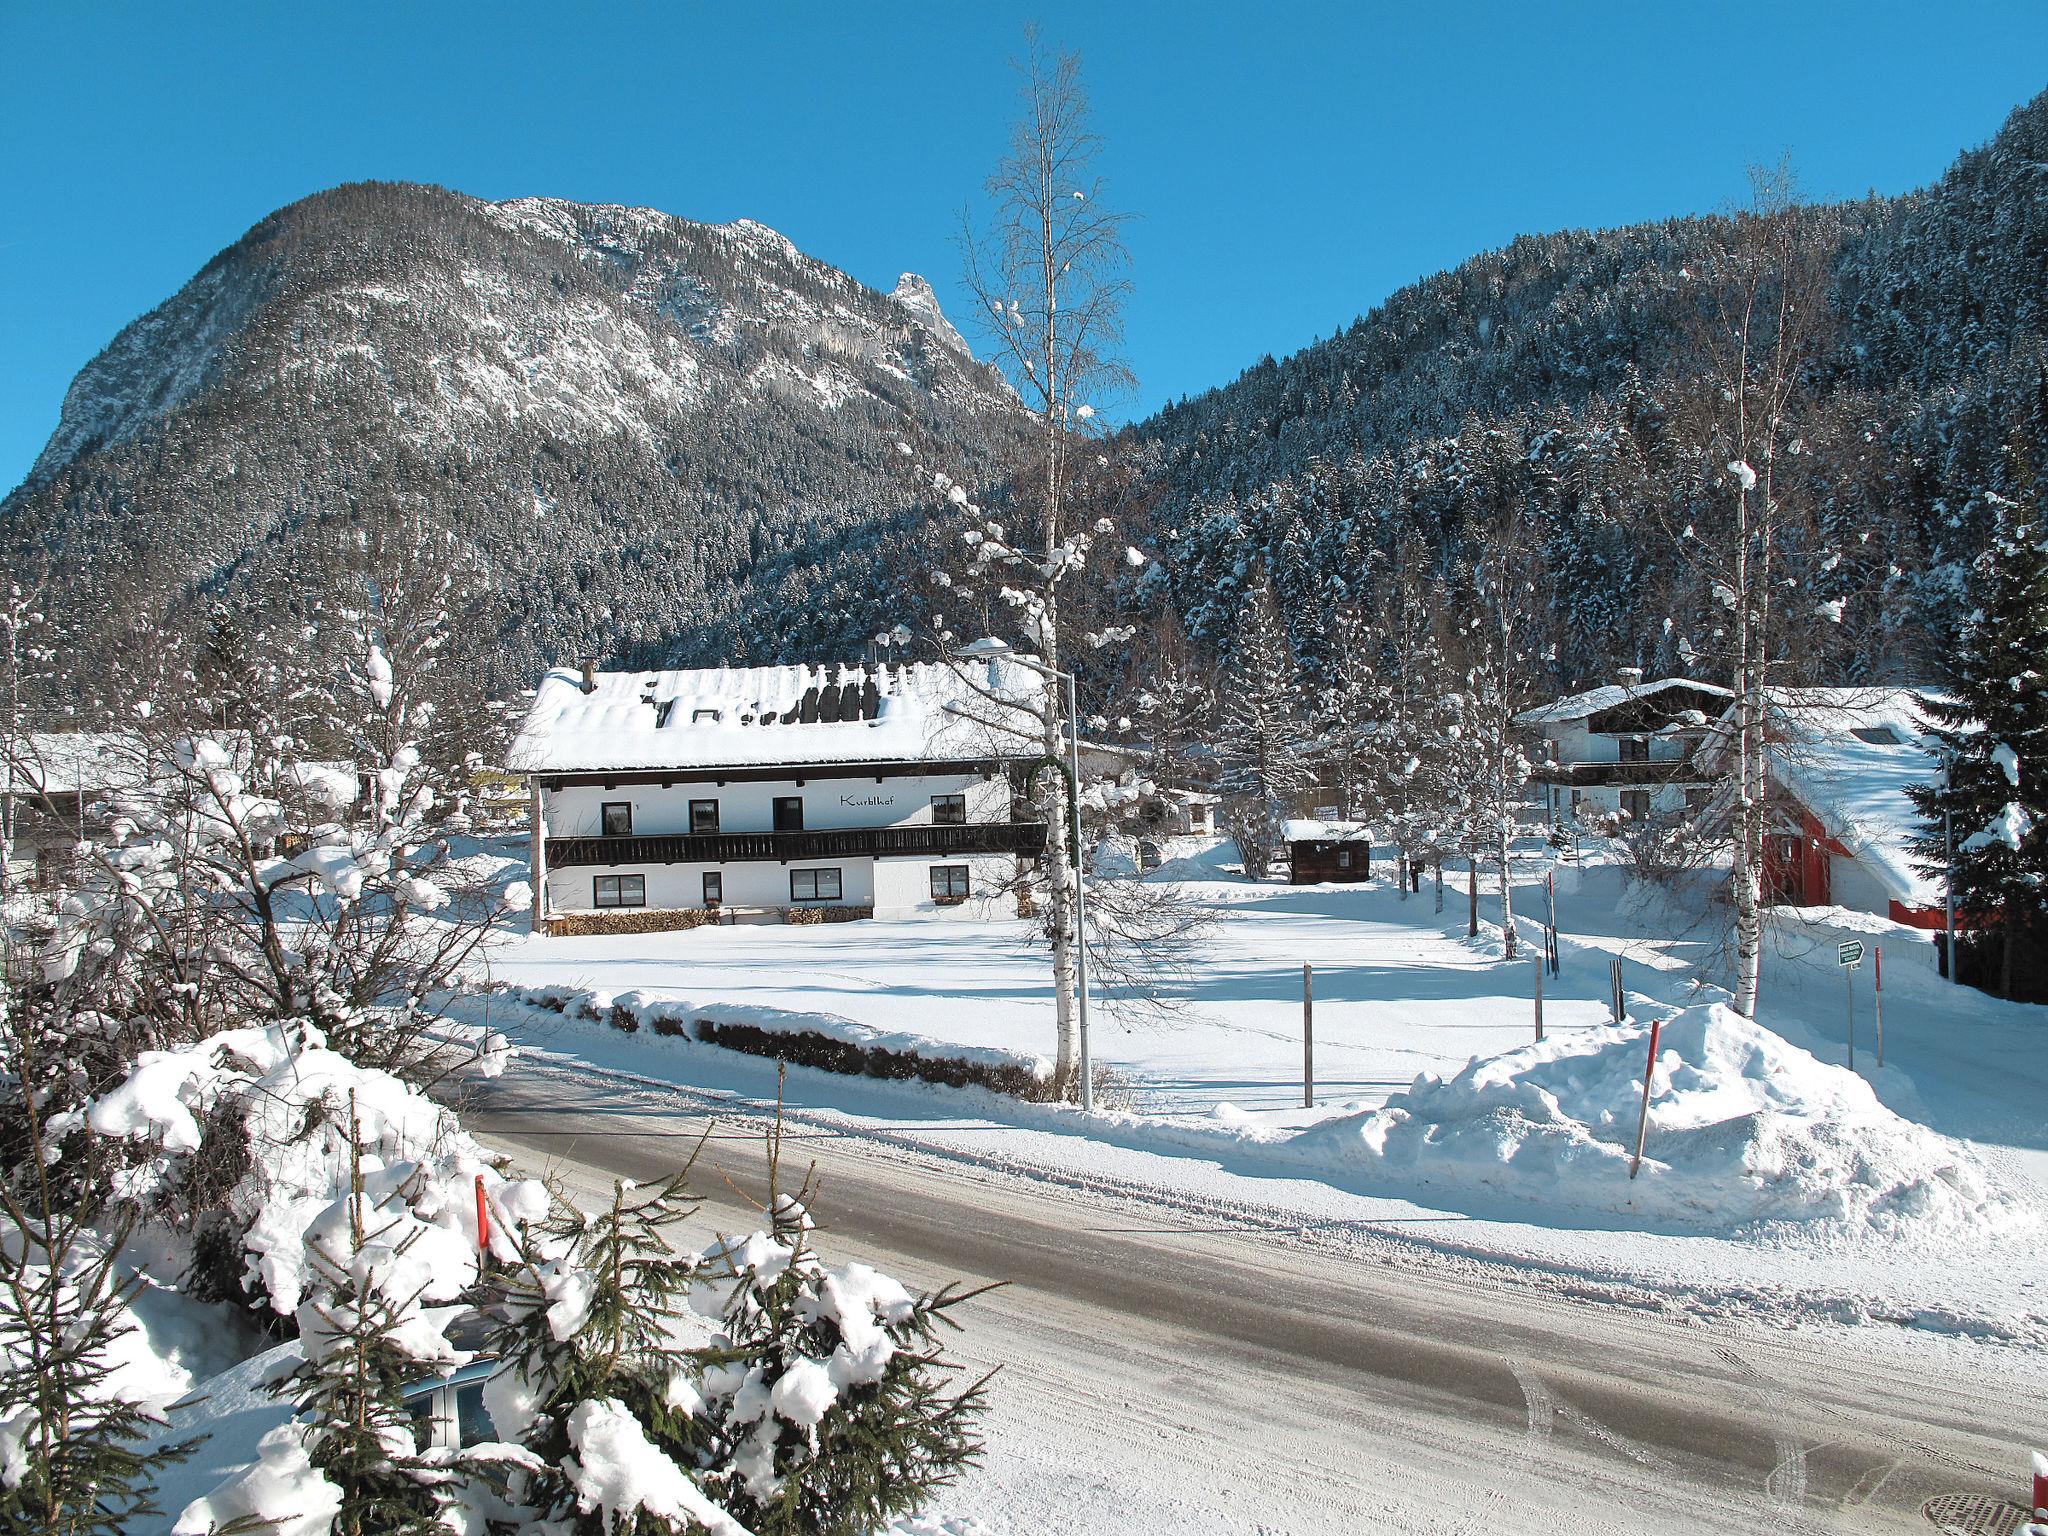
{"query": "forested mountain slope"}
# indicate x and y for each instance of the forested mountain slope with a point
(659, 440)
(1534, 392)
(653, 436)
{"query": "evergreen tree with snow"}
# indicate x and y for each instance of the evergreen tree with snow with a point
(1261, 747)
(366, 1340)
(827, 1408)
(1348, 702)
(71, 1462)
(1992, 730)
(599, 1369)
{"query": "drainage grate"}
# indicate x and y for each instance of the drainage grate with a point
(1973, 1514)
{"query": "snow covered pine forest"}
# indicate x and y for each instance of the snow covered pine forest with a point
(310, 531)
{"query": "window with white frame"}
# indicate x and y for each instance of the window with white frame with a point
(619, 891)
(949, 882)
(814, 885)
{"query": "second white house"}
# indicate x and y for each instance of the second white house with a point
(798, 792)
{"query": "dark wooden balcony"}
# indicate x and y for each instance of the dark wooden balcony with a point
(1636, 775)
(790, 847)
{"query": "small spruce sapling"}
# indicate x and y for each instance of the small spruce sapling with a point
(71, 1462)
(598, 1376)
(365, 1341)
(825, 1405)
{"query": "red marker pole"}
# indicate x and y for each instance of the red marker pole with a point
(1877, 977)
(1649, 1076)
(483, 1226)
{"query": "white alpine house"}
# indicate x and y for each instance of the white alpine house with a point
(670, 798)
(1627, 746)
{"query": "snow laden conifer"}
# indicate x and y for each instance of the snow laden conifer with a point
(365, 1339)
(1262, 746)
(746, 1388)
(1992, 728)
(826, 1407)
(600, 1360)
(70, 1462)
(1414, 786)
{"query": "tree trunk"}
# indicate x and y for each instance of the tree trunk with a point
(1060, 905)
(1472, 890)
(1507, 898)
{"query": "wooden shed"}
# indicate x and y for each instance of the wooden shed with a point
(1319, 851)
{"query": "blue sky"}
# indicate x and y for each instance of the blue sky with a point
(1292, 163)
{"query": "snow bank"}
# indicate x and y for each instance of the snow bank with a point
(1744, 1128)
(666, 1013)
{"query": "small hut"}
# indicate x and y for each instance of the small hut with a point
(1328, 850)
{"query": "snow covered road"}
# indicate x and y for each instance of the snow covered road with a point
(1163, 1371)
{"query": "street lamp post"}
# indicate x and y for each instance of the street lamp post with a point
(983, 650)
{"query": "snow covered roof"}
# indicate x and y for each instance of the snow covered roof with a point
(1849, 755)
(77, 762)
(1579, 705)
(730, 717)
(1305, 829)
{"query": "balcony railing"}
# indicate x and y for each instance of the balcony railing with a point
(789, 847)
(1624, 775)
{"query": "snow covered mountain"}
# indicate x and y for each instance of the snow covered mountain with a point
(650, 430)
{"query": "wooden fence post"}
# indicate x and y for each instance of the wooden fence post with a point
(1539, 999)
(1308, 1036)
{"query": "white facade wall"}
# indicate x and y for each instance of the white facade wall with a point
(749, 805)
(893, 886)
(1573, 743)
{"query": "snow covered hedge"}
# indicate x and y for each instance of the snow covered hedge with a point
(247, 1135)
(822, 1040)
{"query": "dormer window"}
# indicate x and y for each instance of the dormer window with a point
(705, 716)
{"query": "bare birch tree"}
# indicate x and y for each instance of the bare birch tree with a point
(1762, 312)
(1047, 275)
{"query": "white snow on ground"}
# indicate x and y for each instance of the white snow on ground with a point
(1775, 1183)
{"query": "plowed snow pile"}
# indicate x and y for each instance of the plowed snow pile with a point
(1744, 1128)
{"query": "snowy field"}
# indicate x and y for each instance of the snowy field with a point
(1776, 1185)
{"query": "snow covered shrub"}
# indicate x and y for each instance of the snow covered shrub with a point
(598, 1377)
(366, 1338)
(240, 851)
(279, 1093)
